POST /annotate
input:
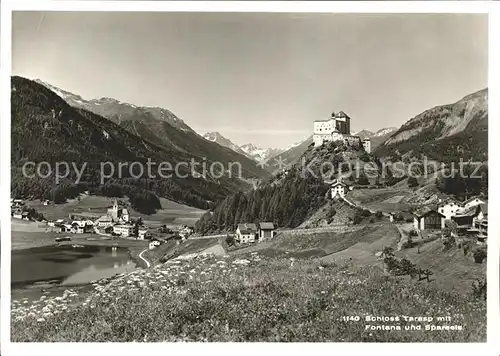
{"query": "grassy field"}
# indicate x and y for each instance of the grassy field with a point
(253, 298)
(386, 199)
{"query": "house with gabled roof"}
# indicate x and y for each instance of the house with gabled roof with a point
(266, 231)
(474, 201)
(338, 189)
(449, 208)
(246, 232)
(428, 218)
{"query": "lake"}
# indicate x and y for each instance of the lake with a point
(67, 264)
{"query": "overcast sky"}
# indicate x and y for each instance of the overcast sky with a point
(259, 78)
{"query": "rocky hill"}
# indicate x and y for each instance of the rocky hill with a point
(45, 128)
(444, 133)
(291, 196)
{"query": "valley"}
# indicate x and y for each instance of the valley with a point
(316, 222)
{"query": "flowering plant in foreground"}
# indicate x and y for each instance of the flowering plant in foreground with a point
(248, 298)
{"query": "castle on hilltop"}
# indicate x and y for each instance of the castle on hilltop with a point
(337, 128)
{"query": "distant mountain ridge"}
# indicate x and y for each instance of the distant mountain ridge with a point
(116, 110)
(161, 127)
(446, 132)
(260, 154)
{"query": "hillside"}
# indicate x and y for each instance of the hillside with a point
(444, 133)
(46, 129)
(163, 128)
(249, 299)
(289, 197)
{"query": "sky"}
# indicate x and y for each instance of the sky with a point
(261, 78)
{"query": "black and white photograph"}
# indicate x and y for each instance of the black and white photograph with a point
(189, 176)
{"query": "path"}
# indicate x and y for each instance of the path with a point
(142, 258)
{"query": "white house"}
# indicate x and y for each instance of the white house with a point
(143, 233)
(154, 244)
(338, 189)
(124, 230)
(450, 208)
(104, 221)
(246, 233)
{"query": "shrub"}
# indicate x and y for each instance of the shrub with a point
(366, 213)
(479, 289)
(230, 240)
(408, 243)
(412, 182)
(379, 214)
(479, 255)
(413, 233)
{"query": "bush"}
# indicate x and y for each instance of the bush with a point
(479, 289)
(379, 214)
(412, 182)
(413, 233)
(408, 243)
(230, 240)
(479, 255)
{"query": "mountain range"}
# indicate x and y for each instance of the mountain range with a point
(250, 150)
(46, 127)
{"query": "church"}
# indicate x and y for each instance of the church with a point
(118, 214)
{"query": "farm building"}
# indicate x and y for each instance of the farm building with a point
(465, 219)
(428, 218)
(266, 230)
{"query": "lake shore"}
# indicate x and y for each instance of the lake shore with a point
(27, 235)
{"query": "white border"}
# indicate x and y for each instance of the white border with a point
(492, 348)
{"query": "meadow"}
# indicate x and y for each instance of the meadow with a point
(250, 298)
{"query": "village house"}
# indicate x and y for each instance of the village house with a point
(338, 189)
(266, 231)
(465, 218)
(153, 244)
(18, 214)
(103, 222)
(143, 233)
(481, 220)
(246, 233)
(475, 201)
(450, 208)
(428, 218)
(124, 230)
